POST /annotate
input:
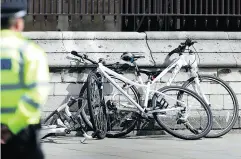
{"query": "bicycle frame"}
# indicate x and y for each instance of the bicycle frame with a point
(181, 62)
(66, 107)
(106, 72)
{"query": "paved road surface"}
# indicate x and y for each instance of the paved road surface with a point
(151, 147)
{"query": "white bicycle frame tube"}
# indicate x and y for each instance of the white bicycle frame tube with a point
(106, 71)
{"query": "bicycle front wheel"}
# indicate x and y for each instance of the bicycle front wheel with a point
(223, 103)
(187, 118)
(96, 105)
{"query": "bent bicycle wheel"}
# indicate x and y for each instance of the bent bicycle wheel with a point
(96, 105)
(190, 118)
(223, 103)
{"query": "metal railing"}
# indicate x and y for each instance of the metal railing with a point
(141, 15)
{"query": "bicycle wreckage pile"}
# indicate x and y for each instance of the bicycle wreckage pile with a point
(183, 111)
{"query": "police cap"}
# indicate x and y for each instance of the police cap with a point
(14, 9)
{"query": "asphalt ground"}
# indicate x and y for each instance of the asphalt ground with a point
(143, 147)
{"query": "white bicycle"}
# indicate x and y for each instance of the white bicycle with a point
(175, 113)
(224, 117)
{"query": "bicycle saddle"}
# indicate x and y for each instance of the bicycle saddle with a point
(151, 72)
(126, 56)
(129, 57)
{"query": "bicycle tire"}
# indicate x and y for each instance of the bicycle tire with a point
(199, 99)
(87, 121)
(84, 107)
(234, 101)
(101, 128)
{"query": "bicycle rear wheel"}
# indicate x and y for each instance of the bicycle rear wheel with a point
(223, 103)
(190, 120)
(96, 105)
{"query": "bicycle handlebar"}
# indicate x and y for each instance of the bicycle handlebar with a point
(181, 48)
(83, 57)
(116, 65)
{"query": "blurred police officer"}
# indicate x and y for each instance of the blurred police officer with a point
(24, 85)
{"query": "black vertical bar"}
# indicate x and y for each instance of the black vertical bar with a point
(166, 6)
(73, 7)
(217, 12)
(86, 6)
(238, 12)
(69, 7)
(138, 6)
(222, 6)
(115, 12)
(178, 8)
(80, 10)
(45, 11)
(62, 6)
(149, 6)
(155, 7)
(195, 7)
(45, 6)
(69, 11)
(228, 6)
(201, 6)
(190, 6)
(52, 7)
(115, 6)
(228, 12)
(195, 12)
(184, 7)
(121, 6)
(239, 4)
(206, 7)
(92, 6)
(103, 9)
(103, 6)
(149, 23)
(234, 6)
(161, 5)
(133, 8)
(184, 12)
(127, 7)
(212, 7)
(97, 6)
(33, 12)
(144, 6)
(33, 7)
(206, 12)
(108, 6)
(40, 9)
(171, 7)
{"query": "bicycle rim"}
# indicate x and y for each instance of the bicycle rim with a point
(96, 106)
(192, 121)
(225, 113)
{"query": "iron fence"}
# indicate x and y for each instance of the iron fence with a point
(141, 15)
